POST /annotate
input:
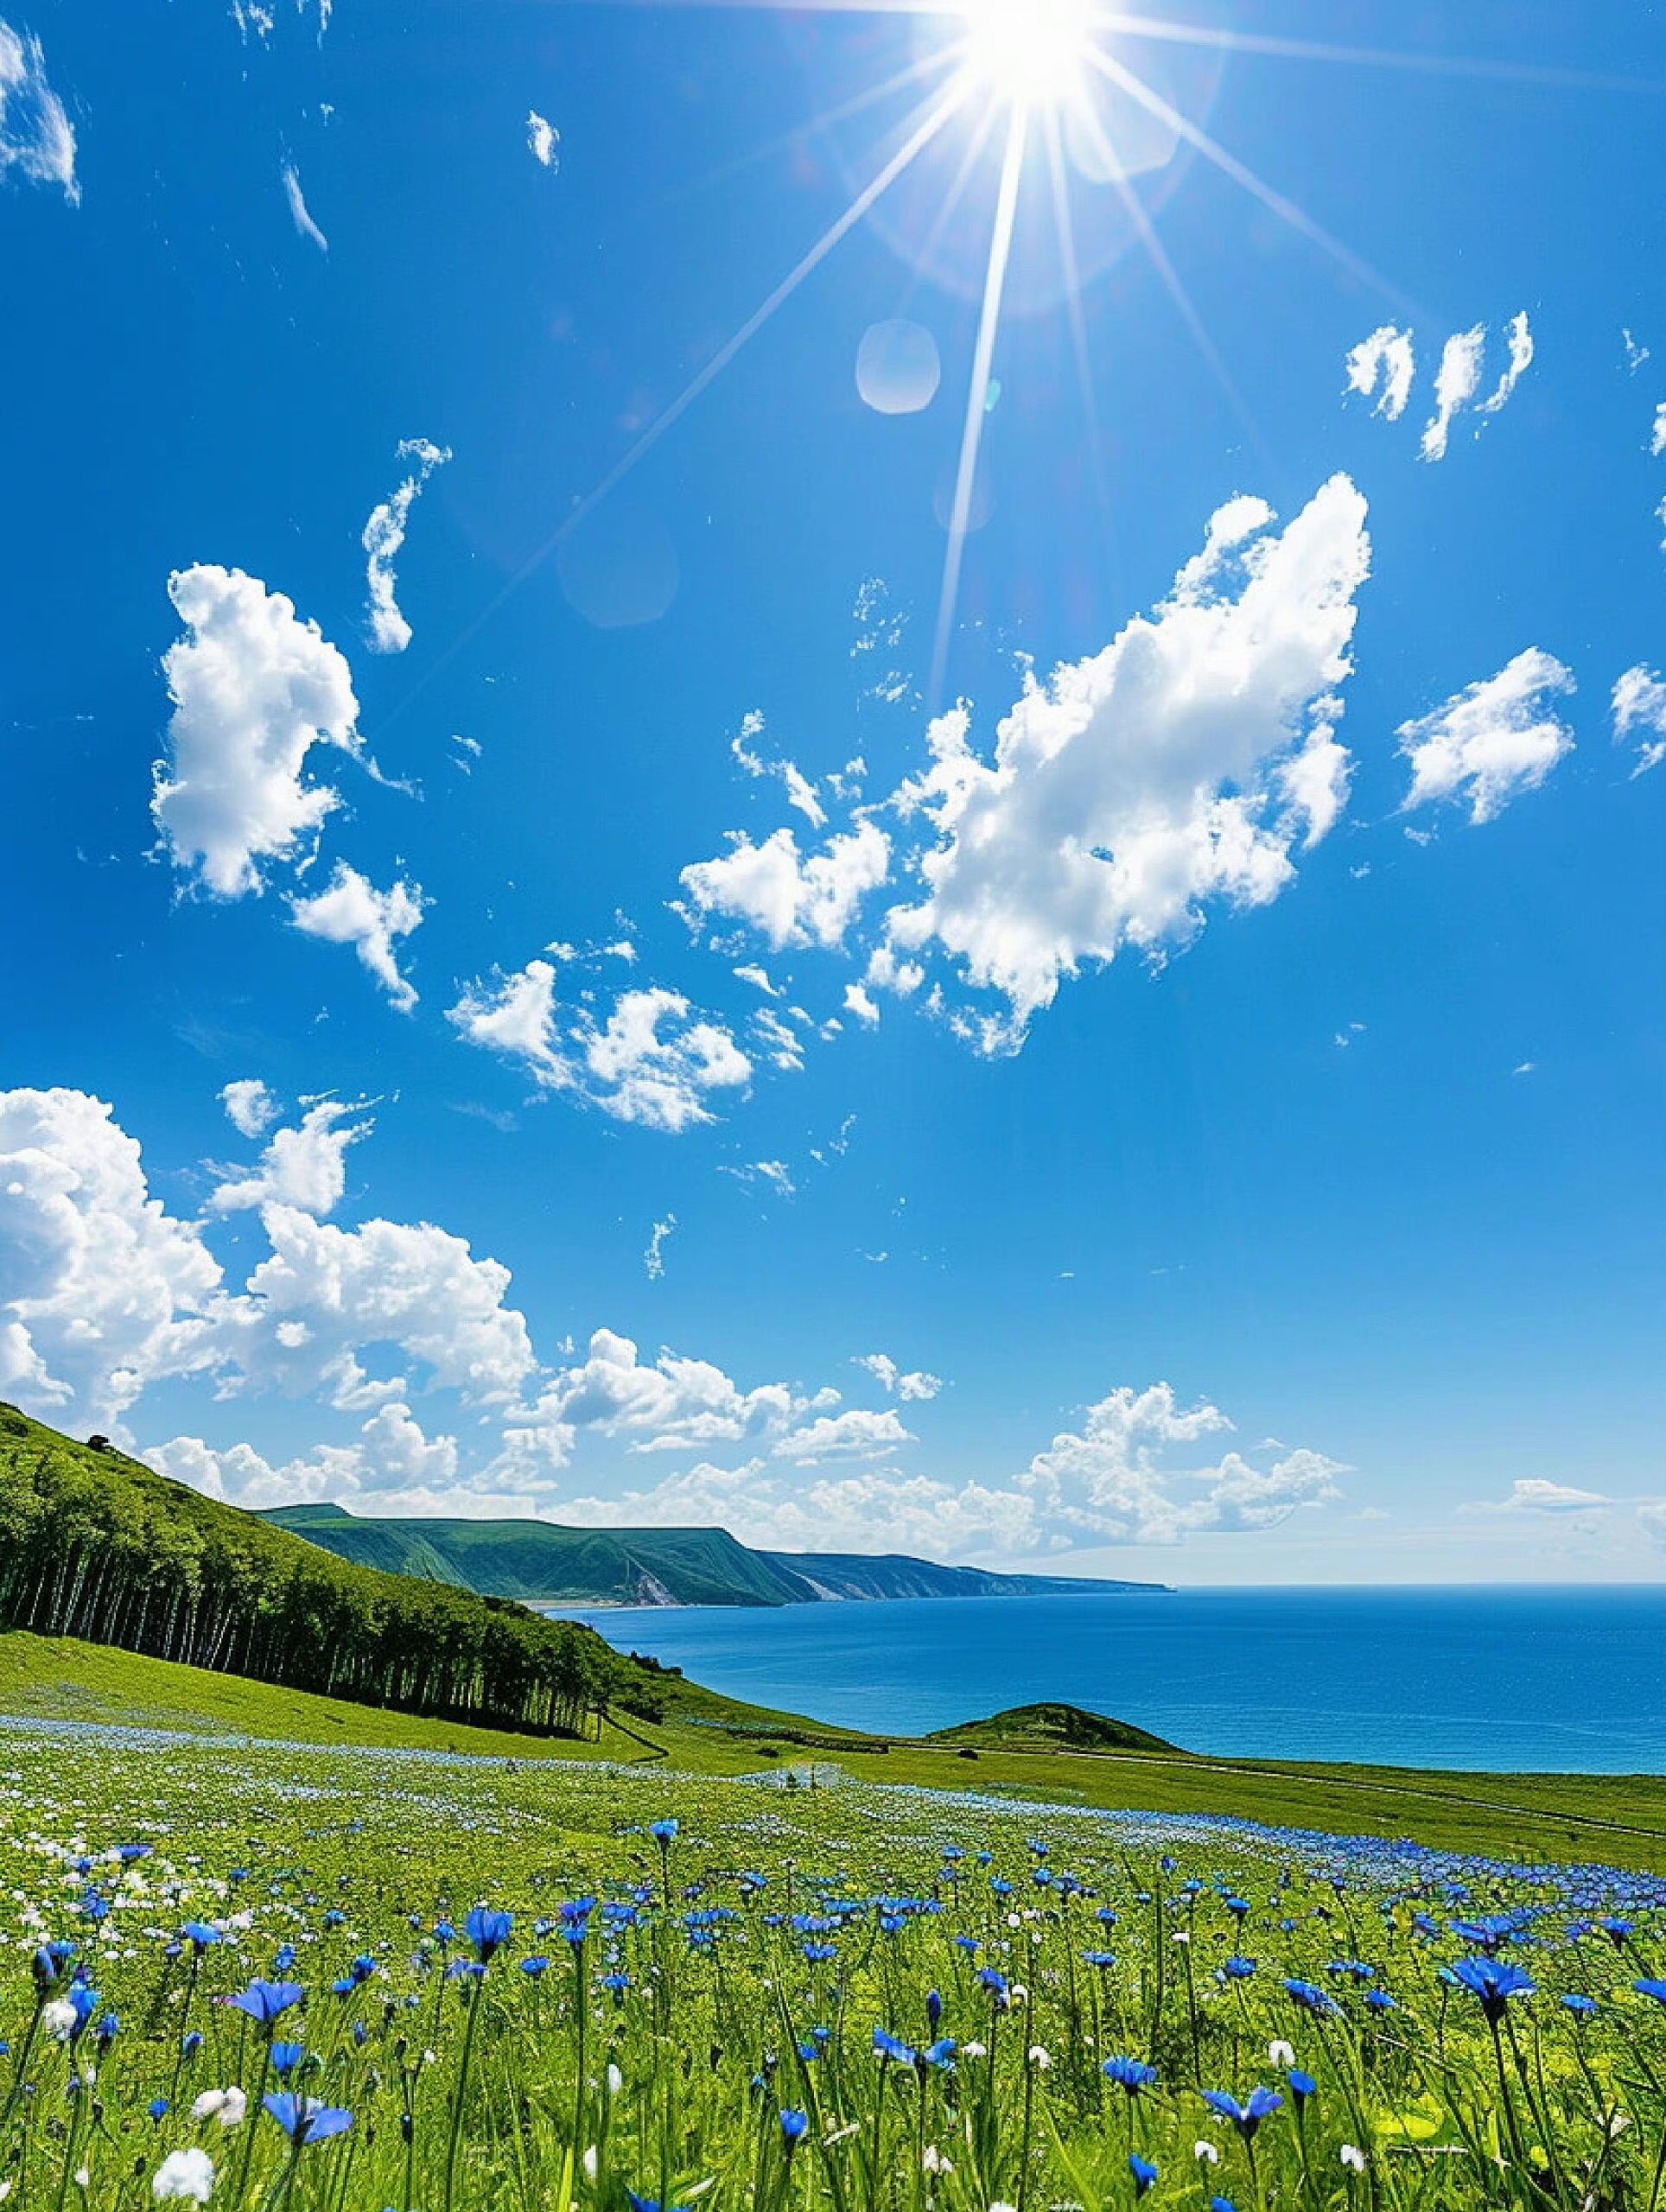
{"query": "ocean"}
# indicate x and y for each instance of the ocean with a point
(1552, 1680)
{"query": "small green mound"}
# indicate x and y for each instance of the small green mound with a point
(1050, 1728)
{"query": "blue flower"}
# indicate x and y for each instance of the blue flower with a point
(1302, 2085)
(664, 1834)
(304, 2120)
(535, 1966)
(1379, 2000)
(1581, 2007)
(1238, 1969)
(1221, 2205)
(886, 2045)
(933, 2009)
(1246, 2118)
(1099, 1958)
(286, 2057)
(794, 2126)
(50, 1964)
(1492, 1981)
(1318, 2002)
(1144, 2173)
(159, 2109)
(202, 1934)
(646, 2203)
(1130, 2074)
(1654, 1989)
(263, 2000)
(488, 1930)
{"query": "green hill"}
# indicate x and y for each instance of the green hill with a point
(540, 1562)
(101, 1547)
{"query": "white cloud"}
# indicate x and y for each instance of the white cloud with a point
(305, 1167)
(1520, 340)
(653, 1062)
(856, 1434)
(385, 534)
(250, 1106)
(1456, 382)
(101, 1290)
(912, 1388)
(800, 792)
(671, 1405)
(543, 140)
(1533, 1494)
(758, 979)
(298, 210)
(1657, 441)
(790, 898)
(351, 910)
(782, 1046)
(392, 1459)
(1639, 708)
(1492, 741)
(324, 1295)
(1113, 1481)
(775, 1174)
(1184, 764)
(1385, 358)
(857, 1002)
(1651, 1519)
(37, 140)
(254, 689)
(653, 1260)
(1636, 355)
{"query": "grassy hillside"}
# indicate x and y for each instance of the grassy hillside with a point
(539, 1562)
(96, 1546)
(1618, 1820)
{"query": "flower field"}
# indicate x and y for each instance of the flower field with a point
(271, 1977)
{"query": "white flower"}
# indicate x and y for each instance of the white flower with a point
(615, 2080)
(1013, 1920)
(58, 2018)
(975, 2050)
(230, 2106)
(1206, 2154)
(1353, 2158)
(1182, 1937)
(1019, 1994)
(1280, 2054)
(184, 2176)
(83, 2176)
(934, 2161)
(1039, 2058)
(590, 2163)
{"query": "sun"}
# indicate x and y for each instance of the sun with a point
(1034, 52)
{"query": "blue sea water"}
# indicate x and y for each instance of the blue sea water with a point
(1551, 1681)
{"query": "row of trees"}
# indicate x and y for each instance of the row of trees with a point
(99, 1546)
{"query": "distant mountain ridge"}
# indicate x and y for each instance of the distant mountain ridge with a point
(539, 1562)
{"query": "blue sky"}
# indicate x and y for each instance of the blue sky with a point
(486, 780)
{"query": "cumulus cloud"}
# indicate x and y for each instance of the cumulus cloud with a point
(668, 1404)
(1184, 765)
(1114, 1480)
(393, 1464)
(250, 1106)
(653, 1061)
(37, 141)
(856, 1433)
(1657, 441)
(1639, 709)
(253, 689)
(1492, 741)
(305, 1167)
(790, 898)
(324, 1294)
(875, 1511)
(351, 910)
(384, 536)
(299, 214)
(543, 140)
(1382, 368)
(102, 1291)
(912, 1388)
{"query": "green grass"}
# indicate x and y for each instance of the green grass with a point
(1618, 1820)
